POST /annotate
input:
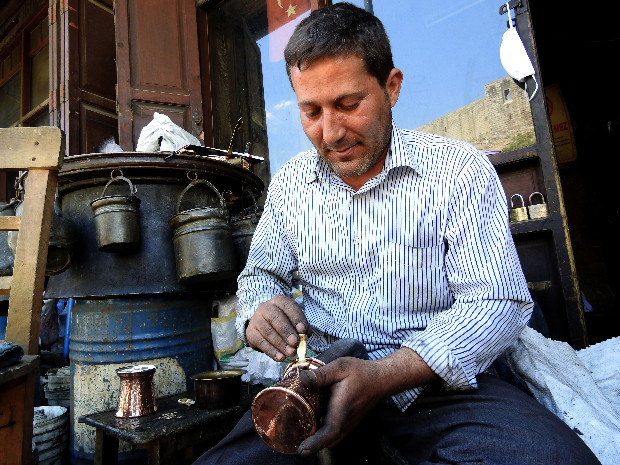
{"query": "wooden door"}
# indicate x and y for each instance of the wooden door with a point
(158, 66)
(83, 73)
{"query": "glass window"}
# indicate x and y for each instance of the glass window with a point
(24, 90)
(454, 82)
(39, 80)
(10, 101)
(247, 40)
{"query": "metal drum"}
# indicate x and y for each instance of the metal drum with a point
(172, 333)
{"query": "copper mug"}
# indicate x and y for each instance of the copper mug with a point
(287, 413)
(137, 393)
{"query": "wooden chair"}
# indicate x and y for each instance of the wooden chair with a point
(40, 152)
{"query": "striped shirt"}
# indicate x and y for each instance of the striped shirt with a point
(421, 256)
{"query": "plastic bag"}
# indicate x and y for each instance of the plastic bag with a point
(559, 380)
(162, 135)
(223, 333)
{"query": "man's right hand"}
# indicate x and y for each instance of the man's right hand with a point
(274, 327)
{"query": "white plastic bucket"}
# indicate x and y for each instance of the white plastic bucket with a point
(50, 433)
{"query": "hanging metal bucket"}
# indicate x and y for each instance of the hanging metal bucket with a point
(243, 228)
(117, 219)
(202, 241)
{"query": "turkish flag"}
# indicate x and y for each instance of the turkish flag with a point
(283, 16)
(280, 12)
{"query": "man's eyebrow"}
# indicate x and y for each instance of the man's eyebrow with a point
(358, 94)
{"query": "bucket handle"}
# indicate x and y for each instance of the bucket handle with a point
(206, 183)
(132, 189)
(249, 191)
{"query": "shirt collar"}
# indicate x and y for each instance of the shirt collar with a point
(400, 154)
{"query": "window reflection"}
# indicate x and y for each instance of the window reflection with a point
(249, 78)
(39, 84)
(449, 52)
(454, 82)
(10, 101)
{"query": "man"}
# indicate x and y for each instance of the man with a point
(401, 241)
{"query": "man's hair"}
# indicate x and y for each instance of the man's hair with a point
(341, 30)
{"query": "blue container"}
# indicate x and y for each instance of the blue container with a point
(173, 333)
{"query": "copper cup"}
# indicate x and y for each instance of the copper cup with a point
(287, 413)
(137, 393)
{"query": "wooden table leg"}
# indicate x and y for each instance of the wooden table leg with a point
(106, 449)
(154, 453)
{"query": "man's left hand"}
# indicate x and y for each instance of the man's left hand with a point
(356, 388)
(354, 392)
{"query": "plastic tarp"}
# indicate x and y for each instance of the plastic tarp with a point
(580, 387)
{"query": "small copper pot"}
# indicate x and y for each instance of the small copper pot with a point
(287, 413)
(218, 389)
(137, 393)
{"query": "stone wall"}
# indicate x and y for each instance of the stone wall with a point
(491, 122)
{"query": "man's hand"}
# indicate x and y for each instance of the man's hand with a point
(355, 390)
(356, 387)
(274, 327)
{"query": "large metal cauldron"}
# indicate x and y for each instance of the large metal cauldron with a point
(150, 269)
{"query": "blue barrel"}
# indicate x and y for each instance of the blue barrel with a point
(171, 332)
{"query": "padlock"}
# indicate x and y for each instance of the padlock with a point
(518, 213)
(539, 210)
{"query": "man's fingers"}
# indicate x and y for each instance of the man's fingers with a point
(325, 376)
(294, 313)
(328, 435)
(274, 327)
(324, 437)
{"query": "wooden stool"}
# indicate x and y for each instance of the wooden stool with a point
(171, 429)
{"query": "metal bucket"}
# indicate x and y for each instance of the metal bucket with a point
(202, 241)
(242, 232)
(172, 333)
(117, 219)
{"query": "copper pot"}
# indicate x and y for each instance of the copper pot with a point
(137, 393)
(287, 413)
(218, 389)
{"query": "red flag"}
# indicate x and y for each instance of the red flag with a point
(280, 12)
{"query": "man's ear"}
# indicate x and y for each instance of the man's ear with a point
(392, 85)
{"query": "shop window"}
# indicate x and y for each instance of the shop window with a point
(454, 82)
(24, 77)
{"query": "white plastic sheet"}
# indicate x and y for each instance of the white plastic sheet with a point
(162, 135)
(558, 378)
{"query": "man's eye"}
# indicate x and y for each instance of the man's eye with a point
(353, 106)
(311, 113)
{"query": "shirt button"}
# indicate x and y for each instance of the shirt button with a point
(357, 240)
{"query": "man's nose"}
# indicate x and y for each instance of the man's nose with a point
(333, 127)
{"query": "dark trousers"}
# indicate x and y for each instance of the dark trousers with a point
(495, 424)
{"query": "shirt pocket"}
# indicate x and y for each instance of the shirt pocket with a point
(413, 274)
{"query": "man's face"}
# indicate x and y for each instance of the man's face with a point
(347, 114)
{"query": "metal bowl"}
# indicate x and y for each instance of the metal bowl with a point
(218, 389)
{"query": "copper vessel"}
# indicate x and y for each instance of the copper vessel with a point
(287, 413)
(218, 389)
(137, 393)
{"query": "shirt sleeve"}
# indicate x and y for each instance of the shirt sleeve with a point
(268, 270)
(492, 303)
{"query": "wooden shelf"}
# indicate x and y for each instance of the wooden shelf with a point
(529, 226)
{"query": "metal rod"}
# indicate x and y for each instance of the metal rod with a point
(368, 6)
